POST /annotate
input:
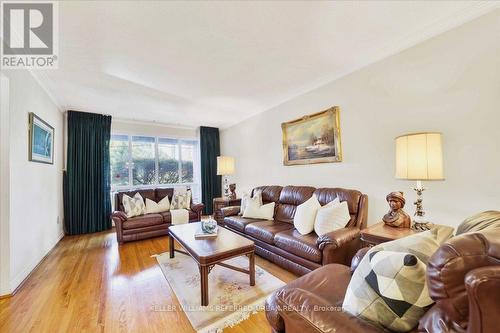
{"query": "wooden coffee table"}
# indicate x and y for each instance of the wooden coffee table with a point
(212, 251)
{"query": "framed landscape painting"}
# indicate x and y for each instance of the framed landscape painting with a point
(41, 140)
(313, 139)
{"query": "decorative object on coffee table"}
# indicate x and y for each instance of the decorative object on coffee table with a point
(419, 156)
(225, 167)
(313, 138)
(220, 203)
(210, 252)
(396, 217)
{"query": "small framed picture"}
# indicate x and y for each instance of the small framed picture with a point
(41, 140)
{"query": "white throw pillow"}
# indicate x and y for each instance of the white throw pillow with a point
(254, 211)
(305, 214)
(246, 199)
(157, 207)
(331, 217)
(133, 206)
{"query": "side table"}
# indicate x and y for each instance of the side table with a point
(380, 233)
(220, 203)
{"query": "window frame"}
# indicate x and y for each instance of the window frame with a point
(179, 140)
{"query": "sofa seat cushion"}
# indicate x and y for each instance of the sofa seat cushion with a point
(239, 222)
(303, 246)
(142, 221)
(266, 230)
(193, 216)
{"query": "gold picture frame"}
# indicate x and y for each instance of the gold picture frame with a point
(313, 138)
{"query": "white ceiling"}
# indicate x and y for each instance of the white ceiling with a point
(217, 63)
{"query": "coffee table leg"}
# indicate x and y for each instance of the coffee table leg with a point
(204, 284)
(171, 246)
(251, 260)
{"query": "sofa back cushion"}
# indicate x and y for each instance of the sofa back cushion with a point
(269, 193)
(290, 198)
(326, 195)
(146, 194)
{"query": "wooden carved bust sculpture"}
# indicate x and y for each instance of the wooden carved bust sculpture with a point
(396, 217)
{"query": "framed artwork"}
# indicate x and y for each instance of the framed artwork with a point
(41, 140)
(313, 138)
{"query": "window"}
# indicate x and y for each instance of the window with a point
(145, 161)
(119, 160)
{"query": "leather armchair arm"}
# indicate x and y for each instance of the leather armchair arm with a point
(483, 289)
(197, 208)
(339, 246)
(303, 311)
(230, 211)
(358, 257)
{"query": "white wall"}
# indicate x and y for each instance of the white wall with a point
(4, 186)
(35, 196)
(450, 84)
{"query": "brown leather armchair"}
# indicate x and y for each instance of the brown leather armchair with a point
(463, 277)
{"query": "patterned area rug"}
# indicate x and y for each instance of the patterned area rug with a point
(231, 298)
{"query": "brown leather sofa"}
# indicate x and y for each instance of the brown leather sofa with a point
(148, 225)
(463, 277)
(279, 242)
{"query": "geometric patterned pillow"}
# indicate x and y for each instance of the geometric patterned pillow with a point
(389, 286)
(133, 206)
(181, 200)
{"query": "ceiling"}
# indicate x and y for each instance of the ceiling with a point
(217, 63)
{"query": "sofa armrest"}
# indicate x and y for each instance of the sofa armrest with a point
(338, 237)
(230, 211)
(483, 289)
(308, 312)
(119, 216)
(340, 246)
(197, 208)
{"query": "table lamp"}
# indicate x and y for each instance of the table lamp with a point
(419, 157)
(225, 167)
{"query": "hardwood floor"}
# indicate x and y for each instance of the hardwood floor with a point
(90, 284)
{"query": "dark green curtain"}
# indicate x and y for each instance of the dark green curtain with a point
(210, 182)
(87, 183)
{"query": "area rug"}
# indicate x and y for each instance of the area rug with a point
(231, 298)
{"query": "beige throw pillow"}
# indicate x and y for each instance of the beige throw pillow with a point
(181, 200)
(305, 214)
(133, 206)
(332, 216)
(157, 207)
(256, 211)
(246, 199)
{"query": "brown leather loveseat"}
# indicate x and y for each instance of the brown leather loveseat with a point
(147, 225)
(463, 278)
(278, 240)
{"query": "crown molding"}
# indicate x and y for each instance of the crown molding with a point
(457, 19)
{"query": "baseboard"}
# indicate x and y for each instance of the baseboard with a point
(22, 279)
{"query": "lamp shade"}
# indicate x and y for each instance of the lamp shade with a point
(225, 165)
(419, 156)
